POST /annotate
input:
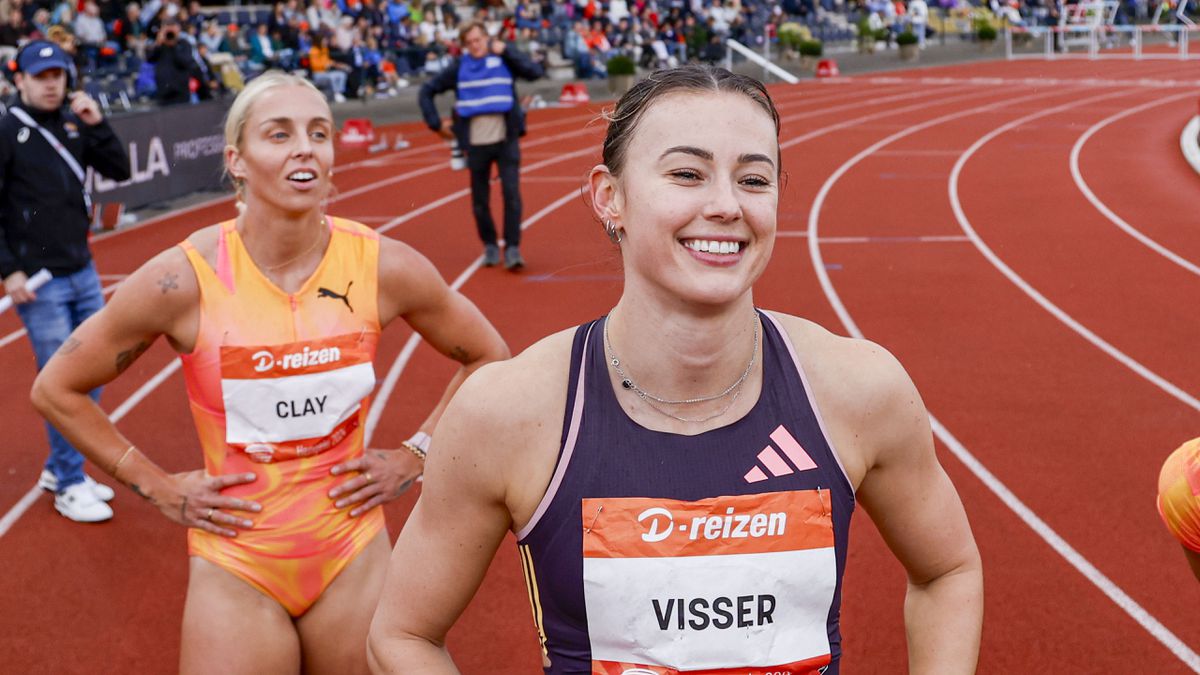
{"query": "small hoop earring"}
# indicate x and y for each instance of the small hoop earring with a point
(615, 234)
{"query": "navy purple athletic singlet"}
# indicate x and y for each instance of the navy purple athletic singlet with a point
(655, 553)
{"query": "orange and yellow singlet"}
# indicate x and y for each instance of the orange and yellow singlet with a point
(1179, 494)
(279, 386)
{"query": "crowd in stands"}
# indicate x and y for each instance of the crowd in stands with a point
(177, 53)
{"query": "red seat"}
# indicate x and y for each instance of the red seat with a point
(574, 93)
(357, 131)
(827, 68)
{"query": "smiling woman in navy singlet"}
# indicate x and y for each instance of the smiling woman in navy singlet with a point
(691, 511)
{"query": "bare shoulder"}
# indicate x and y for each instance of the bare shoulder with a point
(866, 368)
(400, 262)
(407, 279)
(504, 398)
(161, 298)
(167, 280)
(867, 399)
(504, 426)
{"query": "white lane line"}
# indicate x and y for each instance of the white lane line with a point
(1027, 515)
(14, 514)
(1106, 585)
(1188, 143)
(148, 387)
(1092, 82)
(153, 383)
(1077, 149)
(927, 239)
(401, 362)
(1100, 343)
(400, 220)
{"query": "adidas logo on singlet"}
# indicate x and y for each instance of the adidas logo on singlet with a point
(774, 463)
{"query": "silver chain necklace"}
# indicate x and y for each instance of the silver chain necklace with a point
(654, 401)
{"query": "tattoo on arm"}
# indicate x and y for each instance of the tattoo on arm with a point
(127, 357)
(183, 509)
(69, 346)
(459, 354)
(381, 455)
(168, 282)
(138, 490)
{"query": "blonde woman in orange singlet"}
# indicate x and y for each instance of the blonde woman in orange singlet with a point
(276, 316)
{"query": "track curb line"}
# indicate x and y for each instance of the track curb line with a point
(1189, 142)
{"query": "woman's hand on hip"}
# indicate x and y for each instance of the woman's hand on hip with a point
(383, 475)
(197, 502)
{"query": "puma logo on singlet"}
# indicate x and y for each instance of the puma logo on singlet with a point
(323, 292)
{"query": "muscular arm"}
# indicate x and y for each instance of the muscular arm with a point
(160, 298)
(920, 516)
(489, 467)
(880, 428)
(411, 288)
(450, 538)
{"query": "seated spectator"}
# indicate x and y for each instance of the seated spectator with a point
(195, 16)
(89, 28)
(173, 64)
(263, 48)
(210, 82)
(326, 71)
(320, 17)
(13, 29)
(128, 31)
(343, 35)
(39, 24)
(235, 43)
(65, 39)
(212, 36)
(380, 72)
(63, 14)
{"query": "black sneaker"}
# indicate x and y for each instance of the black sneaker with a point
(491, 255)
(512, 258)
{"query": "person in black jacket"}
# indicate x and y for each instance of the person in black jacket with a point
(45, 147)
(488, 122)
(173, 65)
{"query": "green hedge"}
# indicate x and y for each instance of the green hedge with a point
(621, 65)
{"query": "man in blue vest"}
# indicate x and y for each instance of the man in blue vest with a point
(488, 122)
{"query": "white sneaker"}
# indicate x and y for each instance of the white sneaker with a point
(48, 481)
(338, 98)
(80, 504)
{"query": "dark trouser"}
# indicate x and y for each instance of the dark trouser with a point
(507, 156)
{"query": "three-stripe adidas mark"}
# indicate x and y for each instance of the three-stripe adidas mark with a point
(774, 463)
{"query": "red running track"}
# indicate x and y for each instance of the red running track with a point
(934, 211)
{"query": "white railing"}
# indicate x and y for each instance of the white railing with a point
(1100, 42)
(755, 57)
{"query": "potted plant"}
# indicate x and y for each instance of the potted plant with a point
(985, 32)
(621, 72)
(866, 36)
(907, 41)
(791, 34)
(810, 51)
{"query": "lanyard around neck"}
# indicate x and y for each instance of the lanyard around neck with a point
(62, 151)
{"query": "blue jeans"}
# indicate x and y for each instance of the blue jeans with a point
(61, 305)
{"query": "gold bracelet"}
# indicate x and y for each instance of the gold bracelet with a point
(116, 466)
(414, 450)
